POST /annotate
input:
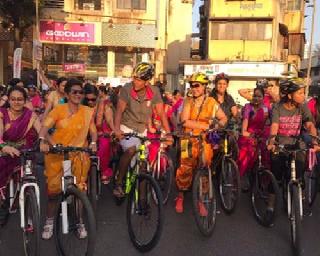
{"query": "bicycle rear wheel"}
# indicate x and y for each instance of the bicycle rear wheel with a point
(229, 185)
(295, 220)
(264, 186)
(144, 213)
(93, 187)
(31, 231)
(80, 213)
(204, 201)
(312, 186)
(163, 174)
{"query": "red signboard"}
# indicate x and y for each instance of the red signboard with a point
(63, 32)
(74, 67)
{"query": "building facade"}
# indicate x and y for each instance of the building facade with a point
(104, 39)
(251, 39)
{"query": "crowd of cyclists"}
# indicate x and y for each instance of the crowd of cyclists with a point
(80, 114)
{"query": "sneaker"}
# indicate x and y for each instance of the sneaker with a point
(47, 232)
(179, 204)
(202, 209)
(81, 231)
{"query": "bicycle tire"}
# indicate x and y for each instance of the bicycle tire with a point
(295, 220)
(143, 210)
(229, 193)
(73, 196)
(207, 222)
(260, 190)
(93, 187)
(32, 222)
(166, 177)
(312, 186)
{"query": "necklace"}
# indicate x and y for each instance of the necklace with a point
(13, 115)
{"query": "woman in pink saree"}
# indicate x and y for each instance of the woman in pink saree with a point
(18, 130)
(254, 125)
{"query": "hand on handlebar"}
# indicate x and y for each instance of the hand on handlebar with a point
(44, 147)
(13, 152)
(118, 134)
(271, 147)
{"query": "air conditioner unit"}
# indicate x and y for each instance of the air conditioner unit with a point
(88, 6)
(284, 54)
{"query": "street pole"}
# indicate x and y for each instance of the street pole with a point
(38, 39)
(310, 47)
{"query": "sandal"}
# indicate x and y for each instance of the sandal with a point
(118, 191)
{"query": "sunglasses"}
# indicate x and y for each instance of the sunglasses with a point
(75, 92)
(195, 86)
(91, 99)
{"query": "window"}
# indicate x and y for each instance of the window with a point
(241, 31)
(316, 72)
(132, 4)
(294, 5)
(88, 5)
(97, 55)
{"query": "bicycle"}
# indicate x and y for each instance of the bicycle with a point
(23, 187)
(203, 191)
(143, 193)
(162, 169)
(94, 181)
(263, 184)
(74, 209)
(227, 172)
(292, 195)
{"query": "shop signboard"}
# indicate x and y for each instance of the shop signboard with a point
(67, 32)
(74, 67)
(239, 69)
(113, 81)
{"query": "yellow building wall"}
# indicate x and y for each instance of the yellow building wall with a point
(294, 21)
(259, 8)
(220, 50)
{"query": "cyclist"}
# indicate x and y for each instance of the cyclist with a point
(135, 104)
(72, 122)
(254, 119)
(18, 130)
(197, 115)
(105, 125)
(34, 98)
(289, 116)
(56, 97)
(220, 94)
(271, 95)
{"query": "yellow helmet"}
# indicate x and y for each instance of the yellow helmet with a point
(199, 78)
(144, 71)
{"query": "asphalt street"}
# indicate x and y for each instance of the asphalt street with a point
(234, 235)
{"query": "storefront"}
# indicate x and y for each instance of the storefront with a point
(242, 75)
(73, 49)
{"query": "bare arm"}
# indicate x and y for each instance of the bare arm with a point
(246, 93)
(36, 124)
(164, 121)
(108, 115)
(49, 107)
(311, 128)
(245, 132)
(121, 106)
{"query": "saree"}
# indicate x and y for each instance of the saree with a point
(248, 146)
(71, 130)
(202, 114)
(20, 134)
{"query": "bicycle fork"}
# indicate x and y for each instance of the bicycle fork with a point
(294, 181)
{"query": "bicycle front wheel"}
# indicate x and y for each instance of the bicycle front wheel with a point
(204, 201)
(145, 213)
(163, 174)
(93, 187)
(75, 235)
(264, 189)
(312, 186)
(229, 185)
(31, 231)
(295, 220)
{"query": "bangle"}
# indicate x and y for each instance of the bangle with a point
(93, 143)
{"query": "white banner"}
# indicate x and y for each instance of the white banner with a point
(17, 63)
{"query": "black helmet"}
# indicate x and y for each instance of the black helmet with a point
(143, 71)
(291, 85)
(221, 76)
(262, 83)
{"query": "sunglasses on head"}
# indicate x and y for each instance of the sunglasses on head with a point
(91, 99)
(196, 85)
(74, 92)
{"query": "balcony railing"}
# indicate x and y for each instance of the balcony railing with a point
(56, 4)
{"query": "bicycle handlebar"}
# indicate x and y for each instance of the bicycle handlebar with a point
(56, 149)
